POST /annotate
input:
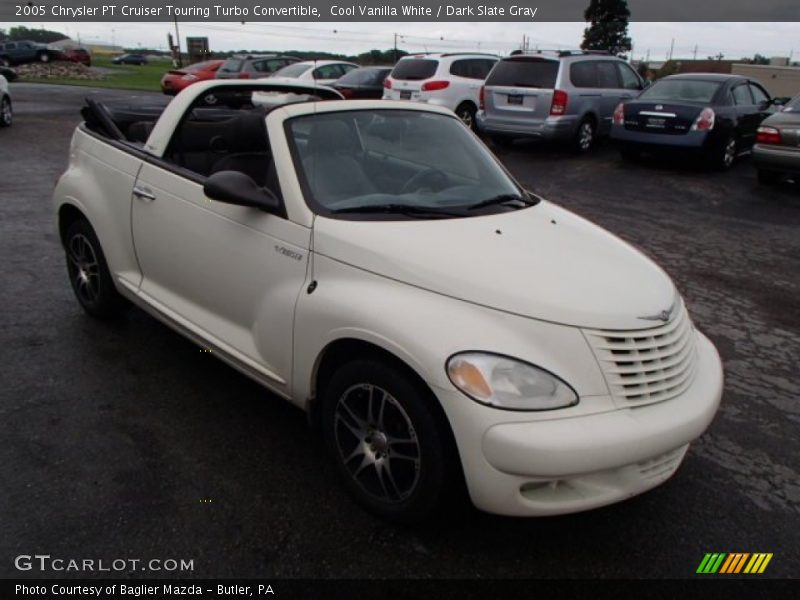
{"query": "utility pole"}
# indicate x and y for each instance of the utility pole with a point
(395, 48)
(178, 42)
(671, 48)
(695, 52)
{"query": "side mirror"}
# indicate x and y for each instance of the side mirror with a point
(646, 84)
(234, 187)
(779, 101)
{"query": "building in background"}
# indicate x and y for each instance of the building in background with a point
(779, 81)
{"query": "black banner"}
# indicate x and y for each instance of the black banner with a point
(411, 589)
(387, 10)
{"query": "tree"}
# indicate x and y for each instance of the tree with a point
(42, 36)
(608, 26)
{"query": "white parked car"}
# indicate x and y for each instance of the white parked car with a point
(321, 72)
(452, 80)
(374, 264)
(6, 109)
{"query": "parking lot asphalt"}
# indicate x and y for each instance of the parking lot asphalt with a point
(127, 441)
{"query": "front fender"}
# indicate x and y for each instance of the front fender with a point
(424, 328)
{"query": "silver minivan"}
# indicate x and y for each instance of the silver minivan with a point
(566, 96)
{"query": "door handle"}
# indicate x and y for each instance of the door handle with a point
(143, 194)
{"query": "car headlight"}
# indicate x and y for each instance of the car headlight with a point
(504, 382)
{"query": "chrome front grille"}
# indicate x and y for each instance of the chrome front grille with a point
(647, 365)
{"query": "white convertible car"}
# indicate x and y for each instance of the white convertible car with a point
(374, 264)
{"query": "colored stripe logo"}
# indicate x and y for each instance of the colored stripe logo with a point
(734, 563)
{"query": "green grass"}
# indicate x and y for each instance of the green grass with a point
(124, 77)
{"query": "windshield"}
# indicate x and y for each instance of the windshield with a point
(232, 65)
(677, 90)
(396, 164)
(294, 70)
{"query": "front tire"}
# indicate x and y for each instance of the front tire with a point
(383, 436)
(88, 273)
(44, 57)
(6, 112)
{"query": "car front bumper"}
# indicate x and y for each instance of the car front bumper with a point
(551, 128)
(777, 158)
(565, 465)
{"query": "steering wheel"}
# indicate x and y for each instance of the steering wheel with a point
(433, 179)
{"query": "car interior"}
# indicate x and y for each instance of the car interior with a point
(365, 156)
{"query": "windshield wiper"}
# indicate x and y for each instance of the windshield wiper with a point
(503, 199)
(404, 209)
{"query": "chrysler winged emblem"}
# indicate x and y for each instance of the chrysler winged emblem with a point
(664, 315)
(659, 106)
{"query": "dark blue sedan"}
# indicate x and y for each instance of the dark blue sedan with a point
(712, 114)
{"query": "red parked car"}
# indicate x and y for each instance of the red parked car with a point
(78, 55)
(175, 80)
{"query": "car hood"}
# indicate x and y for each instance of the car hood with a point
(543, 262)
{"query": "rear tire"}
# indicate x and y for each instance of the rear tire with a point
(383, 436)
(766, 177)
(466, 112)
(584, 137)
(4, 61)
(723, 156)
(88, 273)
(6, 112)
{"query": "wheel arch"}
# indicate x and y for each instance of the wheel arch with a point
(590, 115)
(469, 102)
(340, 351)
(67, 215)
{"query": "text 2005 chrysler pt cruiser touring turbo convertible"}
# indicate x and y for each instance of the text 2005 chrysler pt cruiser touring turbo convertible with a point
(374, 264)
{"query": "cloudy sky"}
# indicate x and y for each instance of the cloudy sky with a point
(733, 40)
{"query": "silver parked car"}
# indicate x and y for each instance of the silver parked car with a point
(565, 96)
(777, 149)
